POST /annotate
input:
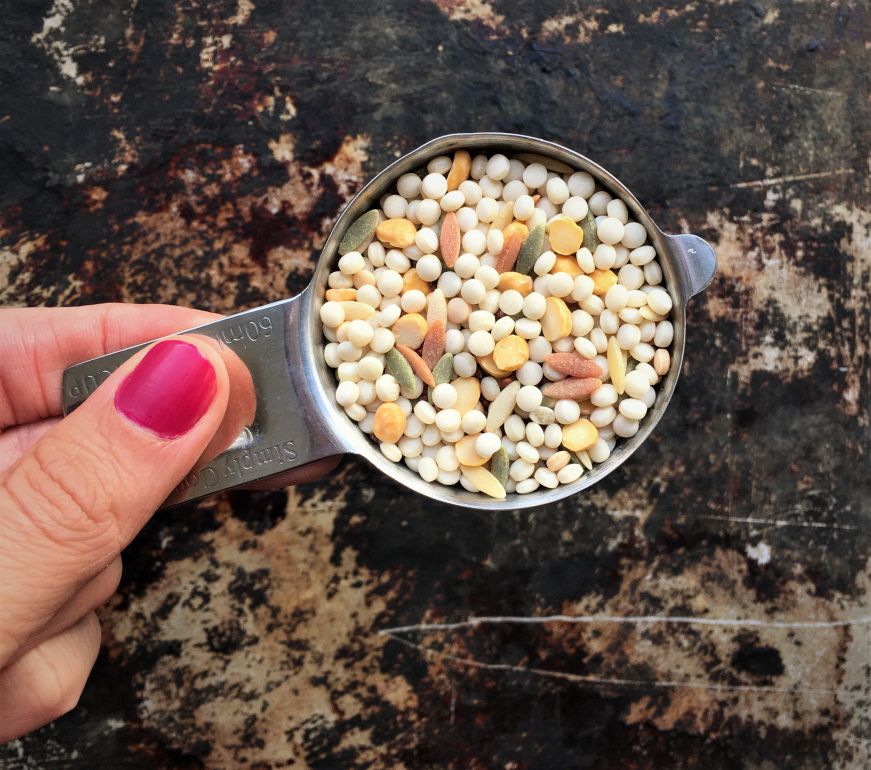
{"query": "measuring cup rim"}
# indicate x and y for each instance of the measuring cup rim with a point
(347, 434)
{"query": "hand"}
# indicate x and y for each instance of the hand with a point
(75, 491)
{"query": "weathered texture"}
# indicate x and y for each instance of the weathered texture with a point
(197, 152)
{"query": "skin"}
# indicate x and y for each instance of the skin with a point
(69, 503)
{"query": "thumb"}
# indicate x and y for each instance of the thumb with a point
(81, 493)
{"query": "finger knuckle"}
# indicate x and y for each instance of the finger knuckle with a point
(72, 508)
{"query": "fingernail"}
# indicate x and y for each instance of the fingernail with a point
(169, 391)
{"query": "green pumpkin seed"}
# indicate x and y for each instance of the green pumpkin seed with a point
(588, 225)
(359, 232)
(530, 250)
(442, 371)
(499, 466)
(400, 369)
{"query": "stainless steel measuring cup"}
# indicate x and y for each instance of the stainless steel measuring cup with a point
(297, 419)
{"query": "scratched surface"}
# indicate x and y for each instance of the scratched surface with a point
(707, 605)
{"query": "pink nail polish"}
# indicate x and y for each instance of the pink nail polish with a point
(170, 389)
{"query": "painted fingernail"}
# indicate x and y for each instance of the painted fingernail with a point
(169, 391)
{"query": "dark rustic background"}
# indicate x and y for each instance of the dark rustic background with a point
(197, 151)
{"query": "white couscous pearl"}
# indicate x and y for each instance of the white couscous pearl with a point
(467, 219)
(474, 242)
(440, 164)
(425, 412)
(534, 305)
(428, 211)
(498, 167)
(427, 240)
(450, 283)
(560, 284)
(487, 444)
(389, 283)
(528, 398)
(557, 191)
(604, 257)
(408, 186)
(387, 388)
(481, 320)
(527, 328)
(632, 277)
(360, 333)
(617, 209)
(569, 473)
(429, 267)
(444, 396)
(446, 458)
(471, 192)
(609, 322)
(546, 478)
(653, 273)
(625, 427)
(454, 341)
(544, 264)
(466, 265)
(610, 230)
(495, 241)
(581, 184)
(434, 186)
(481, 343)
(534, 434)
(539, 349)
(473, 291)
(487, 209)
(632, 408)
(641, 255)
(465, 365)
(616, 297)
(599, 452)
(332, 314)
(397, 261)
(473, 421)
(428, 469)
(523, 207)
(502, 328)
(347, 393)
(585, 348)
(413, 301)
(585, 260)
(351, 263)
(535, 176)
(636, 384)
(602, 416)
(458, 310)
(452, 201)
(553, 436)
(515, 428)
(575, 208)
(488, 276)
(659, 302)
(634, 235)
(410, 447)
(567, 411)
(448, 420)
(527, 452)
(391, 452)
(599, 203)
(530, 373)
(348, 351)
(394, 206)
(604, 395)
(513, 190)
(664, 334)
(643, 352)
(628, 336)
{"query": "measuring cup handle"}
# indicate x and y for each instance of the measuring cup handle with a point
(696, 261)
(287, 432)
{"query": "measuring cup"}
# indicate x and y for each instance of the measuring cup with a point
(298, 421)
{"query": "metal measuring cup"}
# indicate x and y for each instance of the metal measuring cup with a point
(298, 421)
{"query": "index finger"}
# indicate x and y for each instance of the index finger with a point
(37, 344)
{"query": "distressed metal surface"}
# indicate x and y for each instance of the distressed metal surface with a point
(197, 152)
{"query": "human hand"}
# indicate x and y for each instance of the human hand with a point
(75, 491)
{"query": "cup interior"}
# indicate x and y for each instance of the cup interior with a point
(322, 379)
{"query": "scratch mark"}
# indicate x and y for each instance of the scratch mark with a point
(806, 89)
(781, 522)
(590, 680)
(775, 180)
(474, 622)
